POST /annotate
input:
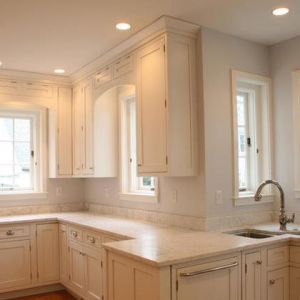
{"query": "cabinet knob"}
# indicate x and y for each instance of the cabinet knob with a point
(92, 239)
(9, 232)
(272, 281)
(75, 234)
(139, 165)
(259, 262)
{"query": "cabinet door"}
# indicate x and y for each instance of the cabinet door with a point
(294, 283)
(78, 141)
(47, 252)
(63, 251)
(252, 283)
(15, 264)
(151, 109)
(88, 165)
(76, 267)
(93, 273)
(278, 284)
(64, 129)
(214, 281)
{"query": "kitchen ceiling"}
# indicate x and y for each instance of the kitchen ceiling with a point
(43, 35)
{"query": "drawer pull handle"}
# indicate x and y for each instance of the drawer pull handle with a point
(92, 239)
(75, 234)
(196, 273)
(259, 262)
(272, 281)
(10, 232)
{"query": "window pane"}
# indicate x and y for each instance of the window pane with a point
(22, 153)
(6, 177)
(147, 182)
(6, 129)
(242, 173)
(242, 140)
(6, 153)
(241, 110)
(23, 177)
(22, 130)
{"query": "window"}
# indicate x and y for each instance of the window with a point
(251, 127)
(20, 170)
(133, 187)
(16, 159)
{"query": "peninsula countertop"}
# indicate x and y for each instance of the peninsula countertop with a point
(154, 244)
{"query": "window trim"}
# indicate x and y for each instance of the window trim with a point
(125, 194)
(247, 198)
(39, 115)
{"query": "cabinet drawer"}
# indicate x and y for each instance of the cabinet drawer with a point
(92, 239)
(37, 90)
(14, 231)
(123, 66)
(295, 254)
(75, 234)
(103, 76)
(277, 256)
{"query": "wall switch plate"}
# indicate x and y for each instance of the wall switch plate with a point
(219, 197)
(174, 196)
(59, 191)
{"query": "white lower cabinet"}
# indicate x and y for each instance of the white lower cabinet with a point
(85, 271)
(213, 280)
(253, 276)
(63, 253)
(47, 253)
(15, 269)
(278, 284)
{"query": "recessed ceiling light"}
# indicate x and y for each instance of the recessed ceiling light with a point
(59, 71)
(123, 26)
(280, 11)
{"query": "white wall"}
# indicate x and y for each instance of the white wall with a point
(285, 58)
(221, 53)
(218, 53)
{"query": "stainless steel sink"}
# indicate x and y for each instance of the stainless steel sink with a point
(251, 233)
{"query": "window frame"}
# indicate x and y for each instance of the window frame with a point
(130, 183)
(39, 139)
(265, 157)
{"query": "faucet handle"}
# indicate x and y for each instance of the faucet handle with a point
(291, 219)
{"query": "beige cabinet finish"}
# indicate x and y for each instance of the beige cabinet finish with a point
(130, 280)
(151, 108)
(15, 264)
(63, 253)
(83, 151)
(166, 107)
(278, 284)
(76, 267)
(214, 280)
(47, 252)
(253, 276)
(93, 273)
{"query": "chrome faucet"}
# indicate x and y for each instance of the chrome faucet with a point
(283, 218)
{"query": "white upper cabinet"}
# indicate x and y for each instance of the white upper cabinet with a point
(151, 108)
(166, 106)
(60, 135)
(83, 161)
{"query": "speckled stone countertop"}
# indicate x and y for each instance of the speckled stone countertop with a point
(155, 244)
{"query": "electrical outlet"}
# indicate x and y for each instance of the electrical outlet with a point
(59, 191)
(219, 197)
(174, 196)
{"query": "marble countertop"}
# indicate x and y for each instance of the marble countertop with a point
(155, 244)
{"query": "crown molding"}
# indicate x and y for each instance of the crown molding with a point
(159, 26)
(36, 77)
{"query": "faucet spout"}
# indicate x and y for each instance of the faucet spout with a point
(283, 219)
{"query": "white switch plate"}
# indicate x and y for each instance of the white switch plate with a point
(59, 191)
(174, 196)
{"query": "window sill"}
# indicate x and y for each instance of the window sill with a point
(22, 195)
(143, 198)
(248, 199)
